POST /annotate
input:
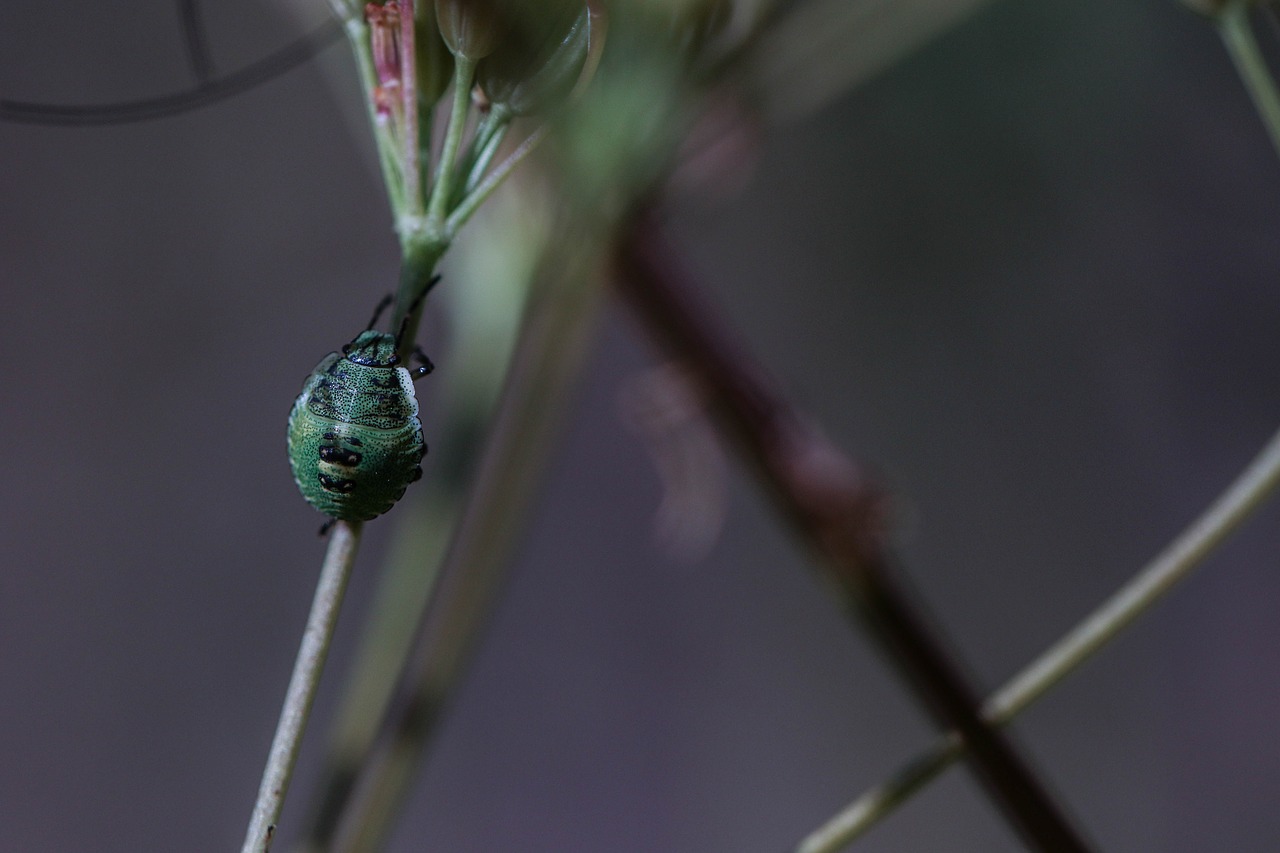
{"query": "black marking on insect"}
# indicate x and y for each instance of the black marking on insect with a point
(340, 456)
(339, 485)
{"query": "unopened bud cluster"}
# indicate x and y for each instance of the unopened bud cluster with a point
(524, 61)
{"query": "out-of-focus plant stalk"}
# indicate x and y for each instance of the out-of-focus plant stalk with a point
(485, 318)
(1254, 485)
(548, 359)
(549, 356)
(816, 51)
(1232, 20)
(836, 513)
(385, 41)
(619, 150)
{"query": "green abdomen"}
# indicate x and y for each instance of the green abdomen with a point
(344, 466)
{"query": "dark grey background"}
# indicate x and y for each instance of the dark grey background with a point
(1030, 274)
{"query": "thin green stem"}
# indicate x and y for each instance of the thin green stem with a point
(388, 151)
(301, 693)
(463, 72)
(1174, 563)
(485, 156)
(489, 135)
(472, 202)
(1232, 20)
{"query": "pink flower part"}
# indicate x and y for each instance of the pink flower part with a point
(384, 38)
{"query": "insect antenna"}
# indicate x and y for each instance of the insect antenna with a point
(413, 306)
(377, 312)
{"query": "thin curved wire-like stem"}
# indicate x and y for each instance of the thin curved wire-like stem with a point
(1254, 485)
(1233, 25)
(195, 41)
(344, 540)
(208, 92)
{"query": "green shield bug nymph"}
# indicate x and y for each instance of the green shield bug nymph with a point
(355, 441)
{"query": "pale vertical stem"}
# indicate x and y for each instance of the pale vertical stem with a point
(463, 72)
(338, 560)
(1254, 485)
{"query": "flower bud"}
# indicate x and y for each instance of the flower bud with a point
(538, 66)
(434, 59)
(470, 28)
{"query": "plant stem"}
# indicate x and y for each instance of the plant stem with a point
(420, 254)
(463, 71)
(1232, 20)
(485, 320)
(339, 558)
(546, 362)
(489, 135)
(413, 189)
(472, 202)
(389, 158)
(805, 55)
(821, 493)
(1174, 563)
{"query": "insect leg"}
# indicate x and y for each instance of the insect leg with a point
(324, 528)
(427, 366)
(413, 306)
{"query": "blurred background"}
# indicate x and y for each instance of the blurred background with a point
(1028, 274)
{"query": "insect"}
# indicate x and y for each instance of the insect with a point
(355, 441)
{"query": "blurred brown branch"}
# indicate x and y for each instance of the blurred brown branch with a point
(835, 511)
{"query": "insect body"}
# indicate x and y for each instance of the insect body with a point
(355, 441)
